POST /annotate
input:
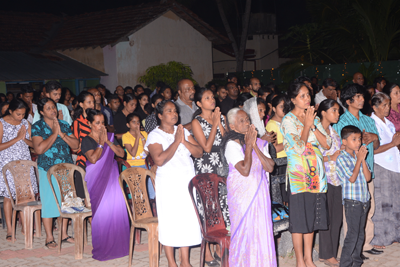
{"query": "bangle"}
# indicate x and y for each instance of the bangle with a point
(329, 158)
(100, 146)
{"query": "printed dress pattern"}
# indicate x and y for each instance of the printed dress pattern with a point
(18, 151)
(209, 164)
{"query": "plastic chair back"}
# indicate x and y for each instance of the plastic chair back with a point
(206, 186)
(136, 179)
(64, 175)
(21, 172)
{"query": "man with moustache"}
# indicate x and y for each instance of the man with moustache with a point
(185, 102)
(230, 101)
(53, 91)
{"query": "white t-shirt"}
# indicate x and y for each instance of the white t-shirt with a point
(234, 153)
(389, 159)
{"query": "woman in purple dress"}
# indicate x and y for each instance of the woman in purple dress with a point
(252, 239)
(110, 223)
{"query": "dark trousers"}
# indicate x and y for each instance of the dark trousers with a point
(356, 216)
(329, 239)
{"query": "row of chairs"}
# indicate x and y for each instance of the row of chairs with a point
(139, 209)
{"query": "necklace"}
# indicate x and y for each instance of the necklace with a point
(94, 138)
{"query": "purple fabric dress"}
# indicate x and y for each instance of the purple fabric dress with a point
(110, 222)
(252, 238)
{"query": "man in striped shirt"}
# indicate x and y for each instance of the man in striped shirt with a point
(354, 174)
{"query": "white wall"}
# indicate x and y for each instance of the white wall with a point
(262, 44)
(168, 38)
(110, 67)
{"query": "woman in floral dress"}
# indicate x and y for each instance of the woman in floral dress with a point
(15, 132)
(208, 127)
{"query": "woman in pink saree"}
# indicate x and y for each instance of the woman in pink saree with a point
(252, 239)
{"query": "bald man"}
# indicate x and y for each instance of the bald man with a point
(185, 102)
(254, 86)
(358, 78)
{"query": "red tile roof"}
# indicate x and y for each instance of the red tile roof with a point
(27, 31)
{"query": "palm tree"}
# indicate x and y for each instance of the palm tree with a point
(361, 30)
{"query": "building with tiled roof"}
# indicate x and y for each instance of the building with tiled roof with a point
(121, 42)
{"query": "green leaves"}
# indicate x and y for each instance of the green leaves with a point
(169, 73)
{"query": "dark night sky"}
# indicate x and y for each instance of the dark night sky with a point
(289, 12)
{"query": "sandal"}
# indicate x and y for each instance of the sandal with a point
(65, 240)
(218, 258)
(51, 245)
(379, 247)
(9, 238)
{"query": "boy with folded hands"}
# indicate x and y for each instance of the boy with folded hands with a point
(354, 174)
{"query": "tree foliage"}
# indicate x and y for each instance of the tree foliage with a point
(359, 30)
(169, 73)
(347, 31)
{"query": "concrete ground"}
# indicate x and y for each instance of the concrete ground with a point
(15, 254)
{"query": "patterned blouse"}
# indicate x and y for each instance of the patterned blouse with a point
(394, 117)
(305, 169)
(330, 166)
(59, 152)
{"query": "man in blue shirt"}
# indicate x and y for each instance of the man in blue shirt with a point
(352, 98)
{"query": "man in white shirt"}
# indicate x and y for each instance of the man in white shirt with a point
(328, 91)
(53, 91)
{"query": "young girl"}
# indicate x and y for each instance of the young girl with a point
(328, 111)
(208, 128)
(143, 99)
(166, 92)
(151, 121)
(273, 125)
(134, 141)
(14, 145)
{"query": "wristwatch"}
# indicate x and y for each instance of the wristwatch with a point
(100, 146)
(313, 128)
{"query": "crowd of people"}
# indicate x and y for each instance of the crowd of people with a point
(337, 147)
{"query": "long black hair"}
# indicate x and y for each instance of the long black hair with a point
(293, 92)
(2, 104)
(276, 101)
(325, 105)
(14, 105)
(198, 95)
(81, 98)
(63, 93)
